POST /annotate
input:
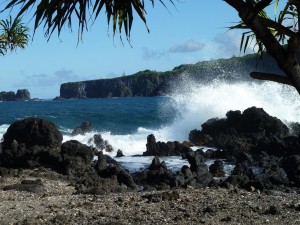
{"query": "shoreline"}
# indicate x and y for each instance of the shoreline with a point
(58, 205)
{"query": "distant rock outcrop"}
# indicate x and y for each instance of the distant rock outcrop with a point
(153, 83)
(21, 95)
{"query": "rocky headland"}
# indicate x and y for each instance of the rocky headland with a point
(45, 181)
(21, 95)
(153, 83)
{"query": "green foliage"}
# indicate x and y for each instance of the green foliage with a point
(13, 35)
(288, 15)
(54, 15)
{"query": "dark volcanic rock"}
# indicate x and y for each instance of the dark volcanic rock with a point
(31, 143)
(240, 132)
(84, 128)
(76, 157)
(279, 147)
(291, 165)
(198, 166)
(165, 149)
(119, 153)
(217, 169)
(101, 144)
(31, 132)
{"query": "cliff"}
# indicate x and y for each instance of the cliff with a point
(152, 83)
(21, 95)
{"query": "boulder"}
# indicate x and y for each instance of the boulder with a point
(119, 153)
(175, 148)
(32, 132)
(76, 157)
(102, 144)
(198, 166)
(291, 166)
(31, 143)
(217, 169)
(84, 128)
(240, 132)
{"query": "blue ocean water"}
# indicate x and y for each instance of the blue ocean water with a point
(117, 115)
(126, 122)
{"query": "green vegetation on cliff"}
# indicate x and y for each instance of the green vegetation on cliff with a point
(153, 83)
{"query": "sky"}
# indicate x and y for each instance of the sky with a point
(187, 33)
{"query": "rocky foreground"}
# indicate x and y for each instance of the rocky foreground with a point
(45, 181)
(52, 200)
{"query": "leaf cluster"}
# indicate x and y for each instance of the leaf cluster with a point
(55, 14)
(13, 34)
(281, 27)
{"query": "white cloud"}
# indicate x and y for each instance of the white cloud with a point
(187, 47)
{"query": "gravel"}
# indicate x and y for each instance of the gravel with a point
(57, 204)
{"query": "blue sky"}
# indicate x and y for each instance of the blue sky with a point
(191, 32)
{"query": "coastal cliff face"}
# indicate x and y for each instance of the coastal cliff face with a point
(145, 83)
(21, 95)
(153, 83)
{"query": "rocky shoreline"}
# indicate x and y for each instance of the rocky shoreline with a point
(45, 181)
(58, 204)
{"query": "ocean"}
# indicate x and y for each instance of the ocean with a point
(126, 122)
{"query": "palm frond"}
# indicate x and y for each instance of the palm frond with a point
(53, 15)
(287, 13)
(13, 34)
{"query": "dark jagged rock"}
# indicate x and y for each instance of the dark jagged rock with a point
(198, 166)
(106, 168)
(291, 165)
(278, 147)
(154, 148)
(84, 128)
(217, 169)
(102, 144)
(31, 143)
(31, 132)
(240, 132)
(119, 153)
(294, 129)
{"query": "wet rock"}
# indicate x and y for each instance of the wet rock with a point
(175, 148)
(240, 132)
(119, 153)
(198, 166)
(102, 144)
(84, 128)
(156, 164)
(217, 169)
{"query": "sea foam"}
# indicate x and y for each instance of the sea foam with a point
(196, 103)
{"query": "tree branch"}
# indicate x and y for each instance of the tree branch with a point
(271, 77)
(261, 5)
(280, 28)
